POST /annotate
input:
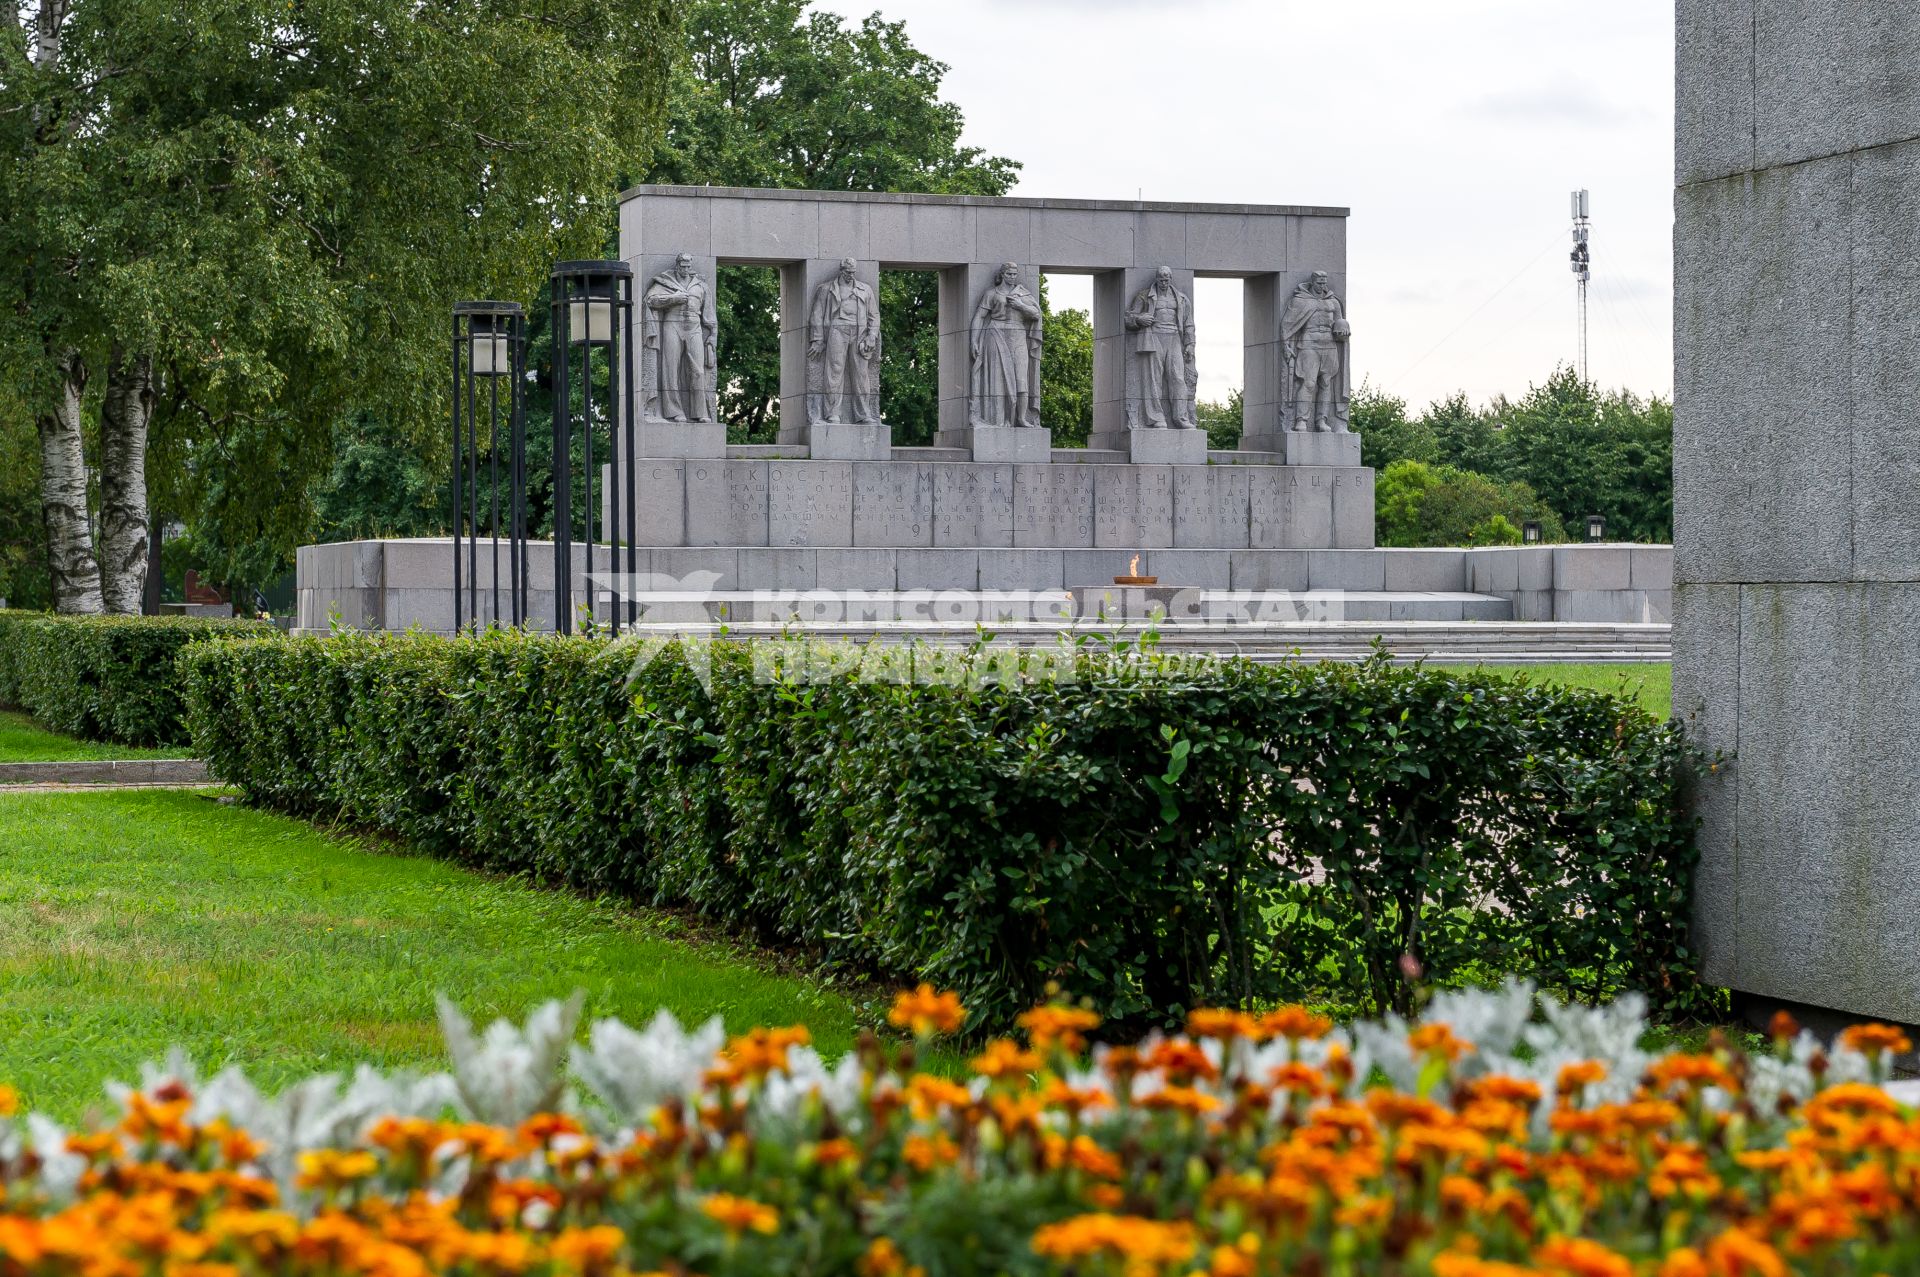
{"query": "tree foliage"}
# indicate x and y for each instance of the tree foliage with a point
(1563, 449)
(278, 204)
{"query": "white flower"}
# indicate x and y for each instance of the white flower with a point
(632, 1073)
(509, 1074)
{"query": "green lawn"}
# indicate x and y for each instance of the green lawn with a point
(134, 920)
(1650, 684)
(24, 741)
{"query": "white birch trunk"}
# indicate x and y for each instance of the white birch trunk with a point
(124, 417)
(63, 495)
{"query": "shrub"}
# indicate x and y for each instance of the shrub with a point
(104, 677)
(1495, 1148)
(1148, 832)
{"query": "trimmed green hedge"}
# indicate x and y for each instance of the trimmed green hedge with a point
(104, 677)
(1150, 832)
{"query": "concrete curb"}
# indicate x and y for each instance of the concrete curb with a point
(126, 771)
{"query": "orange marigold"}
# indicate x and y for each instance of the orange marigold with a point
(1140, 1241)
(1455, 1264)
(1580, 1257)
(1684, 1262)
(926, 1012)
(1181, 1099)
(1063, 1027)
(1871, 1040)
(1004, 1059)
(329, 1168)
(1294, 1023)
(1437, 1040)
(1738, 1254)
(924, 1152)
(1225, 1025)
(740, 1214)
(587, 1249)
(883, 1259)
(1579, 1075)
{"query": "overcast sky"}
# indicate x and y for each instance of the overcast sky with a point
(1454, 130)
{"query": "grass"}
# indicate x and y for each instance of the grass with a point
(24, 741)
(1650, 684)
(135, 920)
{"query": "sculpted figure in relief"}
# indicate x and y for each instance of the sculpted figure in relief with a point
(843, 351)
(1160, 383)
(1004, 387)
(1313, 335)
(680, 339)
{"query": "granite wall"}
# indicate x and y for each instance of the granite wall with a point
(1796, 467)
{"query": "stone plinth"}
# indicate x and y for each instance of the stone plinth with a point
(1156, 447)
(1320, 448)
(1796, 534)
(1021, 445)
(847, 440)
(680, 439)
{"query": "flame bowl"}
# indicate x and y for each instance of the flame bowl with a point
(1136, 580)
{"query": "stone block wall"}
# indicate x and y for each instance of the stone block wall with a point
(1796, 463)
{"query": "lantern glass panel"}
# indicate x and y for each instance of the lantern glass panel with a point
(590, 320)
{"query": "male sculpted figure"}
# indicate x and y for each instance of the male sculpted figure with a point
(1314, 334)
(681, 333)
(1162, 319)
(1004, 389)
(843, 350)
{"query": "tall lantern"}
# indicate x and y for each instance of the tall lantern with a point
(489, 363)
(592, 311)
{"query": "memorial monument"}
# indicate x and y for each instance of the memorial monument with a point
(992, 505)
(1796, 461)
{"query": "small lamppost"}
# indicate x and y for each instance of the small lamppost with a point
(1596, 527)
(592, 310)
(490, 351)
(1530, 532)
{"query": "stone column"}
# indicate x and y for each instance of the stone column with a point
(826, 441)
(1796, 459)
(960, 290)
(1117, 392)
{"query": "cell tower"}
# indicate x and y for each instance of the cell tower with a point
(1582, 268)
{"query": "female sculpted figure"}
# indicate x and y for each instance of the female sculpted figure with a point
(1004, 389)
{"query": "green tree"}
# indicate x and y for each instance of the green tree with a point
(246, 219)
(775, 94)
(1386, 433)
(1224, 422)
(1416, 504)
(1066, 372)
(1463, 437)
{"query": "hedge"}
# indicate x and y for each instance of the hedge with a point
(104, 677)
(1149, 832)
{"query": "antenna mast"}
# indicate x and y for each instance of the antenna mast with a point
(1582, 268)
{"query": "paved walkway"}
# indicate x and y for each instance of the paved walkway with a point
(119, 773)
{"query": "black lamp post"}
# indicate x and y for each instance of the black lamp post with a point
(1530, 532)
(1596, 527)
(489, 360)
(592, 309)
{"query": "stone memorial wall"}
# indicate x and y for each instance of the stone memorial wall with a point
(1796, 460)
(836, 483)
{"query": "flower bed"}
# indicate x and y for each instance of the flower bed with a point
(1499, 1144)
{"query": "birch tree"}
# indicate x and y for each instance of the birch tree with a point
(230, 222)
